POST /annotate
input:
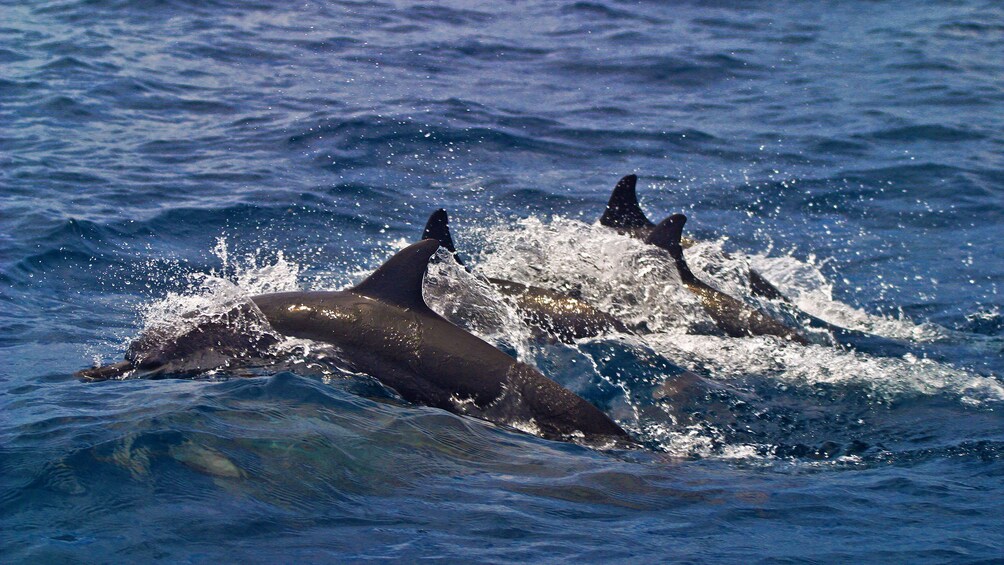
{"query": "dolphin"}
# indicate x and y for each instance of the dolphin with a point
(566, 317)
(238, 338)
(736, 318)
(624, 214)
(384, 328)
(731, 315)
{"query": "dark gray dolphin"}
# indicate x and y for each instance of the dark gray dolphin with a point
(383, 327)
(566, 317)
(624, 214)
(731, 315)
(239, 338)
(734, 317)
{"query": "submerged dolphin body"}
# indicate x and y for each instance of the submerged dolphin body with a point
(731, 315)
(384, 328)
(737, 319)
(566, 317)
(624, 214)
(238, 338)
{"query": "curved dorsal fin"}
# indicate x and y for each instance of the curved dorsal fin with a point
(667, 236)
(438, 228)
(399, 280)
(623, 210)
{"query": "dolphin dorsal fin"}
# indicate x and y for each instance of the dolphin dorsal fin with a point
(438, 228)
(667, 236)
(399, 280)
(623, 210)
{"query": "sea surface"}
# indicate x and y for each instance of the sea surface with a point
(163, 156)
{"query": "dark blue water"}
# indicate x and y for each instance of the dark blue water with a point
(852, 152)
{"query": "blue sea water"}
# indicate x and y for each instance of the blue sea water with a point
(156, 155)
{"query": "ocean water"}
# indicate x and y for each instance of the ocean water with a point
(162, 156)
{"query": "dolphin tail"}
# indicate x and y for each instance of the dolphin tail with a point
(623, 210)
(438, 228)
(667, 236)
(105, 372)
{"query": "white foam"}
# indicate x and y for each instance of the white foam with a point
(886, 379)
(620, 275)
(471, 302)
(805, 285)
(639, 284)
(209, 297)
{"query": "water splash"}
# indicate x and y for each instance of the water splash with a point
(614, 273)
(639, 284)
(627, 375)
(471, 302)
(805, 285)
(222, 297)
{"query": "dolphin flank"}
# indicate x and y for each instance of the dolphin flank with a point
(384, 328)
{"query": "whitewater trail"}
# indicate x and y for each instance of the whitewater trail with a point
(638, 283)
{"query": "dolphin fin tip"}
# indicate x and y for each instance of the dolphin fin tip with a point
(623, 210)
(667, 235)
(438, 228)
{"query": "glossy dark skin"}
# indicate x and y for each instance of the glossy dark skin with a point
(384, 328)
(429, 361)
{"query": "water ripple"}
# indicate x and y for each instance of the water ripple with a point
(851, 155)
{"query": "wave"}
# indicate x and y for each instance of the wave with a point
(663, 385)
(926, 132)
(639, 285)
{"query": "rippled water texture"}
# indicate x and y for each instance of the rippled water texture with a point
(163, 156)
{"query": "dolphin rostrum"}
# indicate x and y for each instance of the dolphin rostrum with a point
(566, 317)
(731, 315)
(384, 328)
(238, 338)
